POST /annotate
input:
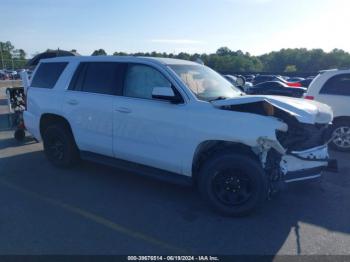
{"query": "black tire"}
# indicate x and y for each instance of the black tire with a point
(341, 142)
(243, 178)
(59, 146)
(19, 135)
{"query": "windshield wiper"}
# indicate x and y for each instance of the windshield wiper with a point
(218, 98)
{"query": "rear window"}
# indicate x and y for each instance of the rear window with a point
(337, 85)
(47, 74)
(99, 77)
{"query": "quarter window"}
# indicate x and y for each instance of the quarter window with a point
(141, 79)
(47, 74)
(337, 85)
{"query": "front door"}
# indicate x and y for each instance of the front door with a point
(146, 130)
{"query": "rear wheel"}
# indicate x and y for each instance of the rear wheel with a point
(341, 136)
(59, 146)
(233, 184)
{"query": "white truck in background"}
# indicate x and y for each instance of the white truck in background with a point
(332, 87)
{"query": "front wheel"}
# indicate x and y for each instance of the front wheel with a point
(234, 184)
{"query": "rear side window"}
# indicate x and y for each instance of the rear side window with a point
(337, 85)
(47, 74)
(98, 77)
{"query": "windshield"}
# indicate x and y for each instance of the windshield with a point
(205, 83)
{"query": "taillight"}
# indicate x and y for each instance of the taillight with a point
(294, 84)
(309, 97)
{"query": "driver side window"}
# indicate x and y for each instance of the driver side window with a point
(141, 79)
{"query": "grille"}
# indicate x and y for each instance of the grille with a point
(304, 136)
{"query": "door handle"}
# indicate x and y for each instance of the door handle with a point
(72, 102)
(123, 110)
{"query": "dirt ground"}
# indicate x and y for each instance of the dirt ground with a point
(10, 83)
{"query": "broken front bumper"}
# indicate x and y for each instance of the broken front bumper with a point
(306, 164)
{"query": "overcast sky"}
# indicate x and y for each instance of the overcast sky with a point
(255, 26)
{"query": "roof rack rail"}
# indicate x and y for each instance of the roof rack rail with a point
(327, 70)
(334, 69)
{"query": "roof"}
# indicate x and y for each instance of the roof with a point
(50, 54)
(159, 60)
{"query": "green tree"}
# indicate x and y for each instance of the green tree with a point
(120, 54)
(99, 52)
(285, 60)
(11, 57)
(222, 51)
(5, 53)
(290, 69)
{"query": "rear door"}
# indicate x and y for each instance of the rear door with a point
(88, 105)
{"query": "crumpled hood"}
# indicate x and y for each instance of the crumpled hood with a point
(306, 111)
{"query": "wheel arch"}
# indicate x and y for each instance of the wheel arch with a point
(209, 147)
(341, 118)
(48, 119)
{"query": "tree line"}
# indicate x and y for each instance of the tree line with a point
(225, 60)
(289, 60)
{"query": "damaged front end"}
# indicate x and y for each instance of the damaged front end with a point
(300, 151)
(293, 158)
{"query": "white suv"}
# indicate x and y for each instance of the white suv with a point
(176, 120)
(332, 87)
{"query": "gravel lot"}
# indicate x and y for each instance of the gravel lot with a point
(93, 209)
(10, 83)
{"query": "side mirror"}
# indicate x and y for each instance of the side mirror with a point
(166, 93)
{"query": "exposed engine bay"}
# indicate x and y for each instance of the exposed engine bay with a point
(299, 136)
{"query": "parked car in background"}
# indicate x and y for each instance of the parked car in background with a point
(176, 120)
(12, 74)
(3, 75)
(249, 78)
(306, 82)
(264, 78)
(282, 77)
(276, 88)
(332, 87)
(231, 78)
(295, 79)
(237, 81)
